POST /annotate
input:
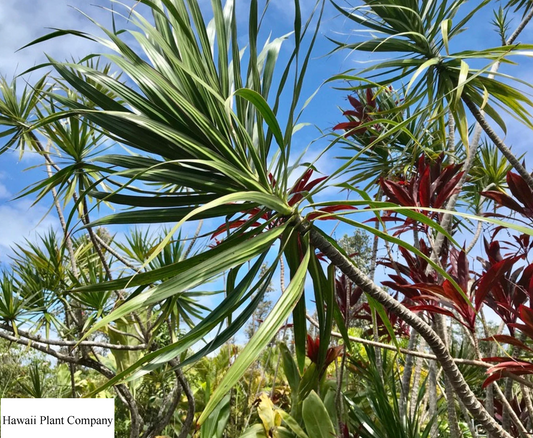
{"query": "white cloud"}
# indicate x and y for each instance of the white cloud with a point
(4, 192)
(20, 220)
(25, 20)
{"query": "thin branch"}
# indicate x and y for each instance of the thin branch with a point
(520, 28)
(506, 152)
(194, 239)
(526, 395)
(187, 425)
(476, 237)
(114, 253)
(416, 353)
(164, 416)
(120, 332)
(61, 343)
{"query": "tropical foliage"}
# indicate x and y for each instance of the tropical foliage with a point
(190, 119)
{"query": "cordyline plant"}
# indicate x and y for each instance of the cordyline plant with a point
(201, 115)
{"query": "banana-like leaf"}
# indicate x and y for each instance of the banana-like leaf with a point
(316, 418)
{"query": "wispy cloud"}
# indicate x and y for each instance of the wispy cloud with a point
(20, 219)
(25, 20)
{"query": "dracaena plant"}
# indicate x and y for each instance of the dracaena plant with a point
(373, 149)
(421, 36)
(201, 114)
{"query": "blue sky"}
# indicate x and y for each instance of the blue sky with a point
(18, 27)
(24, 20)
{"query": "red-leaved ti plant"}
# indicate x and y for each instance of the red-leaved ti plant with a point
(313, 346)
(425, 291)
(506, 283)
(359, 115)
(499, 286)
(508, 364)
(520, 191)
(430, 187)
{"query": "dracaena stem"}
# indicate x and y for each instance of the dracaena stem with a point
(433, 340)
(506, 152)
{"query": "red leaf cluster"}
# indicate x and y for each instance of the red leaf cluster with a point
(431, 186)
(313, 346)
(360, 114)
(303, 186)
(426, 292)
(520, 191)
(499, 286)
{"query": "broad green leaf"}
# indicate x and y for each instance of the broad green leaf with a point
(255, 431)
(290, 368)
(316, 418)
(216, 422)
(293, 425)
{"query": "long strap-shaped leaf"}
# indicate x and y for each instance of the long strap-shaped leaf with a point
(195, 275)
(263, 336)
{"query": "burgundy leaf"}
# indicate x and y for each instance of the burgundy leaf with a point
(523, 328)
(504, 200)
(312, 348)
(300, 184)
(491, 278)
(352, 113)
(520, 189)
(459, 268)
(492, 378)
(493, 251)
(448, 190)
(356, 104)
(332, 354)
(424, 196)
(319, 214)
(397, 193)
(235, 224)
(526, 315)
(432, 309)
(370, 99)
(314, 183)
(350, 126)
